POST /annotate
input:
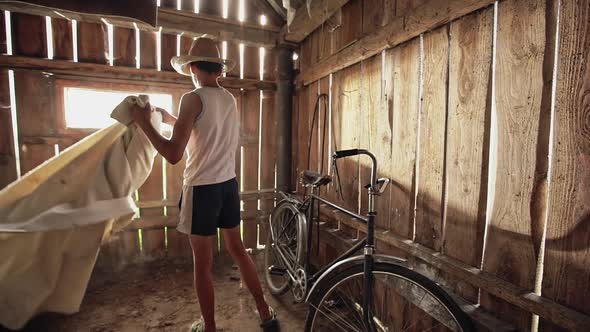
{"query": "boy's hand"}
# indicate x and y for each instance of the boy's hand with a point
(141, 115)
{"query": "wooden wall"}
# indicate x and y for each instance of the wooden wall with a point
(41, 129)
(487, 153)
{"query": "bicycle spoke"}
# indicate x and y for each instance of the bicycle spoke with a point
(398, 305)
(346, 324)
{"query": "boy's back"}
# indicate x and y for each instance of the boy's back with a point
(211, 148)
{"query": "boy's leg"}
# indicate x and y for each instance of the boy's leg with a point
(234, 245)
(203, 262)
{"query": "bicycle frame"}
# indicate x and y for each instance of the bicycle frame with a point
(368, 243)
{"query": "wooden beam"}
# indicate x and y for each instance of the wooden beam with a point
(216, 27)
(92, 70)
(278, 8)
(244, 196)
(306, 22)
(136, 10)
(523, 298)
(171, 21)
(431, 14)
(160, 222)
(267, 8)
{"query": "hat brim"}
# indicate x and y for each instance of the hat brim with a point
(182, 63)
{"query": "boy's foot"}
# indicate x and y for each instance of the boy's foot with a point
(272, 324)
(198, 326)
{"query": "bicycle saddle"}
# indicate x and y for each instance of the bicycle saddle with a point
(310, 178)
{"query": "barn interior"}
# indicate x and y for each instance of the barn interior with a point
(477, 111)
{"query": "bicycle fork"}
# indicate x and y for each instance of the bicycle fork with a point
(368, 275)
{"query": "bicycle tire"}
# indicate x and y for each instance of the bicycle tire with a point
(270, 252)
(399, 273)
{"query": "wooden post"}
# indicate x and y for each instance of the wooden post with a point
(283, 109)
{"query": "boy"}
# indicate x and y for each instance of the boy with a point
(208, 127)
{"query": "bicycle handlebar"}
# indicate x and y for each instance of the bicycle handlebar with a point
(354, 152)
(345, 153)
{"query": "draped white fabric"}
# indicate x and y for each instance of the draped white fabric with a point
(54, 219)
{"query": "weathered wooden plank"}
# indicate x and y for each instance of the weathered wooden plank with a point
(510, 252)
(239, 106)
(33, 155)
(214, 26)
(270, 64)
(63, 46)
(250, 117)
(467, 141)
(167, 50)
(405, 99)
(124, 47)
(8, 171)
(178, 244)
(152, 189)
(305, 54)
(351, 28)
(377, 95)
(375, 133)
(170, 19)
(28, 35)
(346, 130)
(433, 115)
(174, 173)
(404, 7)
(268, 157)
(431, 14)
(186, 43)
(3, 46)
(251, 62)
(188, 5)
(213, 8)
(148, 49)
(80, 70)
(314, 38)
(274, 17)
(374, 13)
(324, 42)
(160, 222)
(124, 13)
(567, 257)
(304, 24)
(233, 53)
(35, 101)
(168, 4)
(92, 42)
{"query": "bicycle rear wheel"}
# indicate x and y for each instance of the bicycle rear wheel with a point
(403, 300)
(284, 246)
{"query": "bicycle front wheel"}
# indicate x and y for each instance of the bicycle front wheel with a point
(403, 300)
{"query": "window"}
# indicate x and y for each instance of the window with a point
(89, 108)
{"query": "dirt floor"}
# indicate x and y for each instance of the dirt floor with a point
(159, 296)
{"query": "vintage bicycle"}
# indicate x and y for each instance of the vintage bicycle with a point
(355, 292)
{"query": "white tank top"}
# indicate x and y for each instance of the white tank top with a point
(212, 146)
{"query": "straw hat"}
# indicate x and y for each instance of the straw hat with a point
(202, 49)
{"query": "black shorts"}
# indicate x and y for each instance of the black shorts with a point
(212, 206)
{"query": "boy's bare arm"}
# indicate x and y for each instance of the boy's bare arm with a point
(173, 149)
